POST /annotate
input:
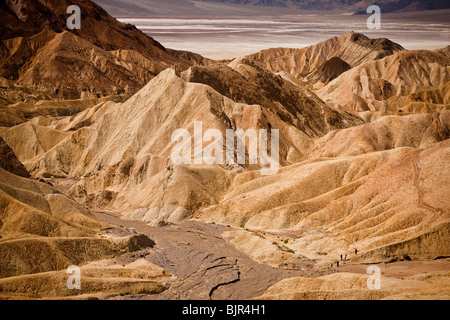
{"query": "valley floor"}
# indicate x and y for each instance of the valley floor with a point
(227, 37)
(209, 267)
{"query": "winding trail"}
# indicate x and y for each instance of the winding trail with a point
(420, 192)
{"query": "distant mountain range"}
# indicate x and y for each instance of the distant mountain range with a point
(386, 5)
(141, 8)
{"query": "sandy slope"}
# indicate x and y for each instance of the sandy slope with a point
(348, 286)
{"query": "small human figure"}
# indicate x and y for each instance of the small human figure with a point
(337, 263)
(356, 251)
(341, 257)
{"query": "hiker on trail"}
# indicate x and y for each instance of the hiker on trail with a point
(356, 251)
(341, 257)
(337, 263)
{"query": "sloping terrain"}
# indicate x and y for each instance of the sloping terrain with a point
(87, 150)
(17, 113)
(9, 161)
(347, 202)
(353, 72)
(245, 81)
(431, 100)
(385, 133)
(138, 179)
(42, 232)
(328, 71)
(26, 18)
(61, 55)
(348, 286)
(103, 57)
(99, 279)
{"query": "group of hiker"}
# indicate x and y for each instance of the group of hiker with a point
(343, 258)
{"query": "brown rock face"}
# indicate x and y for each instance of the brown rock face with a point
(67, 62)
(347, 286)
(104, 57)
(330, 70)
(25, 18)
(246, 81)
(9, 161)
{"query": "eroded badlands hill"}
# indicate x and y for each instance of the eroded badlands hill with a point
(369, 85)
(25, 18)
(115, 148)
(54, 58)
(43, 232)
(353, 72)
(352, 48)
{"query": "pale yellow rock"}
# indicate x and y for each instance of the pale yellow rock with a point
(353, 48)
(349, 286)
(400, 74)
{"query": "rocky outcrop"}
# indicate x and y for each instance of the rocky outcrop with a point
(25, 18)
